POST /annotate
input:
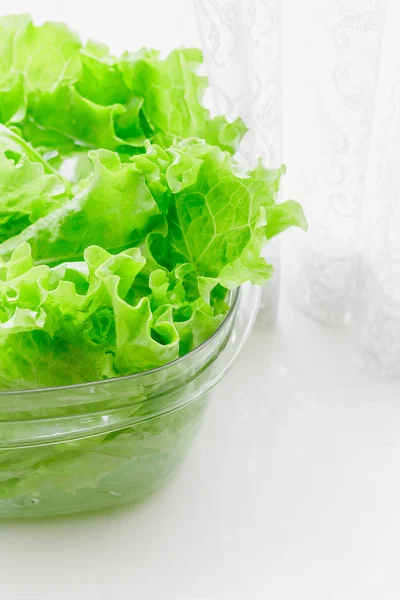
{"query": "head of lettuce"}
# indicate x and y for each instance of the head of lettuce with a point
(127, 264)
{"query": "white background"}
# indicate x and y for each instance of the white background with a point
(292, 487)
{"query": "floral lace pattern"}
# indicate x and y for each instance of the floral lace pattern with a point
(343, 99)
(376, 313)
(348, 268)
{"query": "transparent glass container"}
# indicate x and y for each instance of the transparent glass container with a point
(85, 447)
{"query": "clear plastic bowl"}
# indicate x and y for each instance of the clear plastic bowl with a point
(91, 446)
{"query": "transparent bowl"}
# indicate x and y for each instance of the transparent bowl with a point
(85, 447)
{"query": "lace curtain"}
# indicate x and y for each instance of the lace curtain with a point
(341, 132)
(347, 269)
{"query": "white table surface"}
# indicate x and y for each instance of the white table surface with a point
(291, 491)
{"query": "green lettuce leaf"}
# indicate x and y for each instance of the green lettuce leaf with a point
(33, 58)
(46, 326)
(13, 100)
(46, 55)
(75, 96)
(112, 209)
(82, 321)
(172, 89)
(218, 218)
(28, 187)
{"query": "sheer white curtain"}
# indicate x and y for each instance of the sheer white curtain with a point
(340, 63)
(376, 309)
(345, 168)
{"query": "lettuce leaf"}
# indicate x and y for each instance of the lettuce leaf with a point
(112, 208)
(27, 64)
(219, 218)
(81, 321)
(46, 55)
(171, 89)
(77, 96)
(28, 187)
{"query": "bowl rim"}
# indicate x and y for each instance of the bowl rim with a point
(236, 293)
